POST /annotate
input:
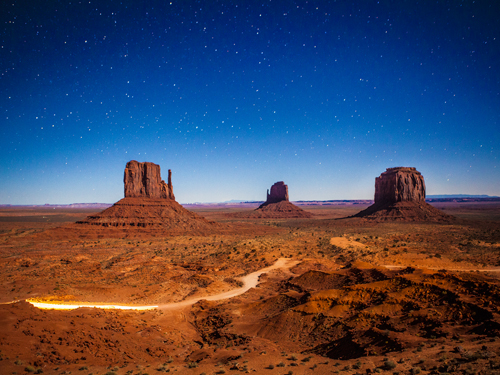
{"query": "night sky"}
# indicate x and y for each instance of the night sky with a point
(236, 95)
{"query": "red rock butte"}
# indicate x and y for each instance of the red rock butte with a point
(277, 205)
(149, 203)
(400, 195)
(399, 184)
(144, 180)
(279, 192)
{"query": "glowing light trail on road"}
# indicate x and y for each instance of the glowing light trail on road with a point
(72, 306)
(249, 281)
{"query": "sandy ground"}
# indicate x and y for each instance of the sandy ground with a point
(318, 295)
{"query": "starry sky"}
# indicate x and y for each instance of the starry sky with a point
(236, 95)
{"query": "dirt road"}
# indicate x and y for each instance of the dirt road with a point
(249, 281)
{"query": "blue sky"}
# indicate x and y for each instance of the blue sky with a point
(236, 95)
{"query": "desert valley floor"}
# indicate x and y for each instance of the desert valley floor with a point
(345, 296)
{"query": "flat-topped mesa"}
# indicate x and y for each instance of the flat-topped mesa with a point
(143, 180)
(279, 192)
(399, 184)
(400, 196)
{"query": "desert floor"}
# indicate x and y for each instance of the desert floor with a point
(335, 295)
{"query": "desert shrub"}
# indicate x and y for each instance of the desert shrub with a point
(281, 364)
(415, 370)
(192, 364)
(357, 365)
(29, 369)
(469, 371)
(233, 281)
(293, 357)
(468, 356)
(83, 368)
(270, 367)
(494, 365)
(389, 365)
(235, 366)
(161, 368)
(18, 362)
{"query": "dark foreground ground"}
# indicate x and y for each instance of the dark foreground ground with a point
(364, 297)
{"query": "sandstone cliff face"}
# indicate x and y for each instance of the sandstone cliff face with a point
(400, 184)
(279, 192)
(400, 196)
(143, 180)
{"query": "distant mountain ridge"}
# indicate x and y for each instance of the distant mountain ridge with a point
(71, 205)
(242, 201)
(441, 196)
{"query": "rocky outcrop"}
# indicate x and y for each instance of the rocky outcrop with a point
(149, 204)
(279, 193)
(400, 184)
(143, 180)
(400, 196)
(276, 206)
